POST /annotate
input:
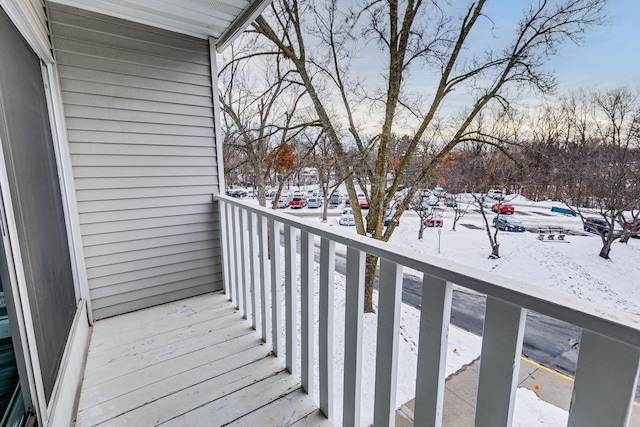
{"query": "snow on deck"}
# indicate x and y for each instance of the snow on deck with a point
(190, 362)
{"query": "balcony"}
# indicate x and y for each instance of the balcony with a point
(237, 358)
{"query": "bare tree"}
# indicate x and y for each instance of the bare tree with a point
(419, 40)
(603, 162)
(260, 116)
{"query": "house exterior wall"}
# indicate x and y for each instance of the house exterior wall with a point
(140, 126)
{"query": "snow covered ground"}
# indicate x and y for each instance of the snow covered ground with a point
(573, 267)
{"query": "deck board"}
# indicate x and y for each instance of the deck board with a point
(191, 362)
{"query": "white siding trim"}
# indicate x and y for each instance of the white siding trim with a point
(67, 188)
(216, 112)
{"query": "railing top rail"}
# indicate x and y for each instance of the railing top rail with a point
(619, 325)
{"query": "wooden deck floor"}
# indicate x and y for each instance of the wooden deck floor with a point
(187, 363)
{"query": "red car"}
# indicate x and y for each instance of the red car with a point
(363, 203)
(505, 208)
(298, 202)
(433, 221)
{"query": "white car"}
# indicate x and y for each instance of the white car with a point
(283, 203)
(314, 202)
(347, 218)
(495, 194)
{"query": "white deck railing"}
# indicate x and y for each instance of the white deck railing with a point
(608, 362)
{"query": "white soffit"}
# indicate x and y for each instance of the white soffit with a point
(220, 19)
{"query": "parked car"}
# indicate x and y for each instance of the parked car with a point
(283, 203)
(596, 225)
(508, 224)
(389, 216)
(495, 194)
(237, 193)
(298, 202)
(270, 194)
(433, 221)
(347, 218)
(634, 229)
(335, 199)
(505, 208)
(362, 201)
(314, 202)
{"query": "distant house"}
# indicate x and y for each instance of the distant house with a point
(109, 155)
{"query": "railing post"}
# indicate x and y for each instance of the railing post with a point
(605, 385)
(291, 324)
(354, 303)
(435, 316)
(224, 244)
(389, 300)
(253, 255)
(325, 327)
(306, 310)
(499, 363)
(230, 251)
(276, 292)
(262, 248)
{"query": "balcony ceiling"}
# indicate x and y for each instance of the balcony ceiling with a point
(220, 19)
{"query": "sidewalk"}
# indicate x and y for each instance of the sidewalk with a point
(461, 391)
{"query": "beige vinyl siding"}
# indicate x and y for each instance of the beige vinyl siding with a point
(139, 117)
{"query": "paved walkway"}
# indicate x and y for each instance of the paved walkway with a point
(461, 389)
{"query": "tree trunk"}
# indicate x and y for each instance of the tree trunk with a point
(606, 248)
(369, 280)
(495, 250)
(261, 186)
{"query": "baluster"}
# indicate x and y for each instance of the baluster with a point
(244, 284)
(435, 315)
(276, 311)
(307, 309)
(606, 380)
(499, 362)
(253, 258)
(264, 259)
(354, 304)
(389, 300)
(325, 328)
(236, 257)
(290, 297)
